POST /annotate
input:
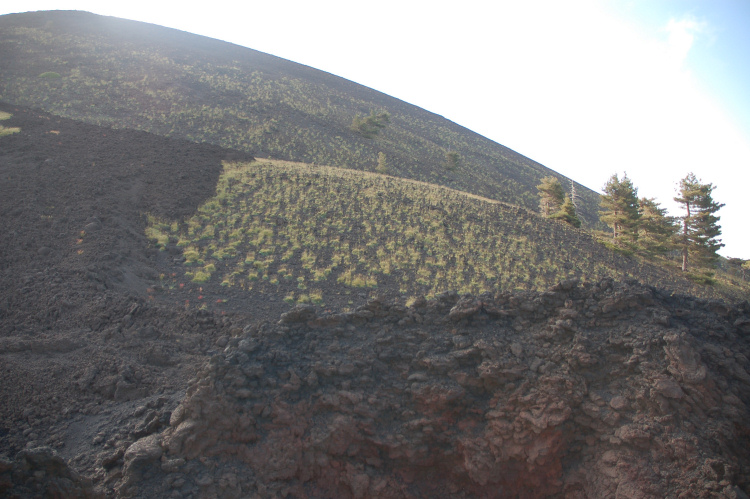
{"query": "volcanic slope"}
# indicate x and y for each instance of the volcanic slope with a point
(117, 381)
(133, 75)
(76, 265)
(322, 235)
(230, 234)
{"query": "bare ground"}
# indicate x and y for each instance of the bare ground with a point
(113, 386)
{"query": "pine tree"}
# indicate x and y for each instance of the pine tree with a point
(370, 126)
(619, 209)
(700, 228)
(656, 230)
(551, 196)
(567, 213)
(452, 160)
(382, 164)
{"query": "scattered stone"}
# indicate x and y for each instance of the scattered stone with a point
(669, 388)
(517, 349)
(92, 226)
(618, 403)
(143, 452)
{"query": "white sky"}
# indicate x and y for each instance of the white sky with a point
(587, 88)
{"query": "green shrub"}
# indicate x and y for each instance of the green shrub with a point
(705, 278)
(201, 276)
(191, 255)
(369, 126)
(157, 236)
(303, 299)
(316, 296)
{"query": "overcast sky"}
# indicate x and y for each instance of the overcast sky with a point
(657, 88)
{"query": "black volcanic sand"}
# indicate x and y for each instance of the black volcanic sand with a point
(74, 200)
(81, 331)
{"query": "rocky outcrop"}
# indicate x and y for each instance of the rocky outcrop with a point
(594, 390)
(41, 472)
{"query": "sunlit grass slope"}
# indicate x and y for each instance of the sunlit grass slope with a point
(306, 231)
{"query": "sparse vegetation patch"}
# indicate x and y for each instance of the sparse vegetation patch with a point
(304, 231)
(7, 130)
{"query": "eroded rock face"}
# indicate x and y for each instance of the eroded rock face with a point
(607, 390)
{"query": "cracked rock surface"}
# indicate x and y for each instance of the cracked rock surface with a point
(606, 390)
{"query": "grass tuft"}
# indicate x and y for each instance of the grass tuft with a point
(8, 130)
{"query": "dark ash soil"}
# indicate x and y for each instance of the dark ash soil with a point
(113, 384)
(84, 343)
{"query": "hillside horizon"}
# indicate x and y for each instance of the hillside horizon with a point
(286, 110)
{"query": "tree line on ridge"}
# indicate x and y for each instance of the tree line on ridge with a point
(642, 226)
